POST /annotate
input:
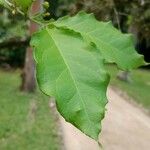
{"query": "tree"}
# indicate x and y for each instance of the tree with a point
(70, 56)
(28, 74)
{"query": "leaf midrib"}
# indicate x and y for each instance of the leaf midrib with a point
(75, 84)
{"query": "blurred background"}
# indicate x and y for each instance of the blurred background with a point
(28, 119)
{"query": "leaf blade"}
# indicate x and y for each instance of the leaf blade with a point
(79, 81)
(114, 46)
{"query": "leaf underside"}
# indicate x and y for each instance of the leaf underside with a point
(114, 46)
(70, 55)
(73, 73)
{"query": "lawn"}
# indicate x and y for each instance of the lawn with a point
(138, 89)
(26, 121)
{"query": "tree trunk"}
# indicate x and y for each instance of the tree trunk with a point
(28, 77)
(28, 74)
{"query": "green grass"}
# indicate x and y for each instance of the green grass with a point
(26, 121)
(138, 89)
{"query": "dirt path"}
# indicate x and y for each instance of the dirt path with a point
(125, 127)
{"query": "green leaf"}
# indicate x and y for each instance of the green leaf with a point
(23, 4)
(114, 46)
(5, 4)
(2, 2)
(73, 73)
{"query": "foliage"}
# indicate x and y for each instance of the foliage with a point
(129, 16)
(74, 74)
(65, 77)
(127, 12)
(95, 32)
(64, 7)
(23, 4)
(26, 121)
(4, 3)
(12, 58)
(70, 55)
(12, 29)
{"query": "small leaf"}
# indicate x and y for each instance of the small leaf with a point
(23, 4)
(5, 4)
(74, 74)
(2, 2)
(114, 46)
